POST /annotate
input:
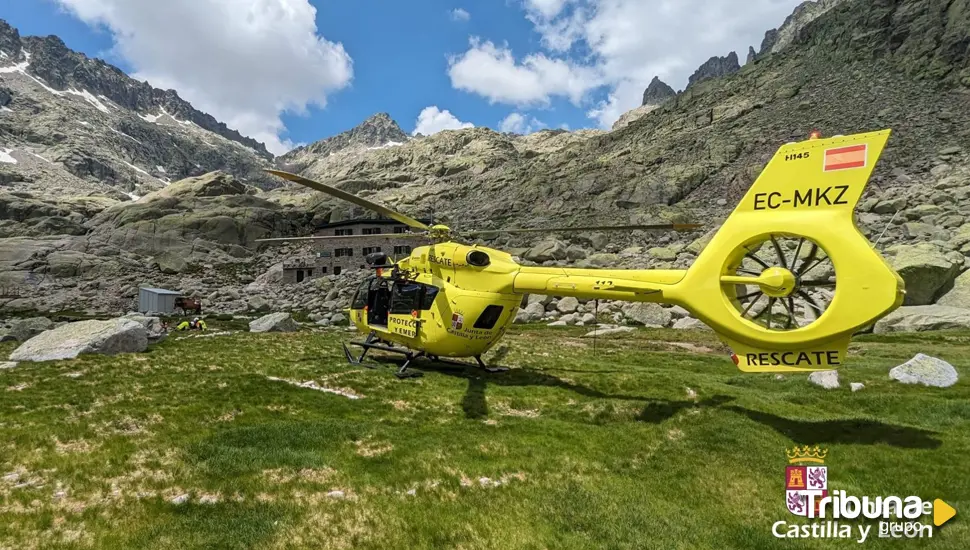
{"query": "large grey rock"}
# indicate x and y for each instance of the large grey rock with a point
(567, 305)
(608, 331)
(534, 312)
(274, 322)
(828, 379)
(120, 335)
(925, 269)
(686, 323)
(647, 314)
(959, 295)
(170, 263)
(154, 329)
(547, 250)
(25, 329)
(926, 370)
(923, 318)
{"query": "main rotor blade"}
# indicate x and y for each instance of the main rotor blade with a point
(350, 197)
(324, 237)
(667, 226)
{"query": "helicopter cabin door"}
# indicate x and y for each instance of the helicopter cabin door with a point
(405, 303)
(378, 302)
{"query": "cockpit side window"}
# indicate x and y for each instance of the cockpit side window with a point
(430, 292)
(405, 298)
(360, 297)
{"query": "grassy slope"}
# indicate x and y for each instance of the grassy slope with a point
(600, 449)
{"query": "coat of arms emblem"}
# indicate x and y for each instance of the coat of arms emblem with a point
(806, 474)
(456, 320)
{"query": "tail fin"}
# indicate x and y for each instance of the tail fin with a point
(789, 278)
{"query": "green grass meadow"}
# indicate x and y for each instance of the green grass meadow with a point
(652, 439)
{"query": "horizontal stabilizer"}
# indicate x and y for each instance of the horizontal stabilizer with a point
(830, 356)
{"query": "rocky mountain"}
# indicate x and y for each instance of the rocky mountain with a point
(657, 92)
(856, 65)
(72, 126)
(715, 67)
(376, 132)
(778, 39)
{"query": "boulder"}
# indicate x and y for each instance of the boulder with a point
(828, 379)
(688, 323)
(923, 318)
(857, 386)
(259, 304)
(662, 253)
(678, 312)
(535, 311)
(110, 337)
(24, 329)
(925, 269)
(170, 263)
(153, 326)
(926, 370)
(272, 275)
(546, 251)
(959, 295)
(567, 305)
(647, 314)
(538, 299)
(608, 331)
(274, 322)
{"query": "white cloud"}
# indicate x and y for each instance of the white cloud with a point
(492, 72)
(518, 123)
(432, 120)
(459, 14)
(242, 62)
(624, 44)
(546, 8)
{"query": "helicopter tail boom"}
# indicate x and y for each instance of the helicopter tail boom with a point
(789, 277)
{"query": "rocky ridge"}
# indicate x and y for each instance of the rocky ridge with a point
(715, 67)
(72, 126)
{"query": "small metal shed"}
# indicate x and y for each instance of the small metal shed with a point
(156, 300)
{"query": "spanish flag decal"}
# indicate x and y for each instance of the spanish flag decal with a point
(844, 158)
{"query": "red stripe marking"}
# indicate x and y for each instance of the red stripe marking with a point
(849, 149)
(845, 165)
(843, 158)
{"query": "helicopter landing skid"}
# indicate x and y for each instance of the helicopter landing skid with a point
(372, 342)
(491, 370)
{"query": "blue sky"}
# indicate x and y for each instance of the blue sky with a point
(516, 65)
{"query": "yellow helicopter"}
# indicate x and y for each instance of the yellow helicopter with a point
(766, 281)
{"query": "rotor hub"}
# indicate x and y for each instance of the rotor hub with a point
(439, 231)
(777, 282)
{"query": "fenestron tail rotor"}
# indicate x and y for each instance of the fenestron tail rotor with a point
(440, 232)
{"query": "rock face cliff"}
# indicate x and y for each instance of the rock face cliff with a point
(657, 92)
(857, 65)
(715, 67)
(376, 132)
(62, 69)
(70, 125)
